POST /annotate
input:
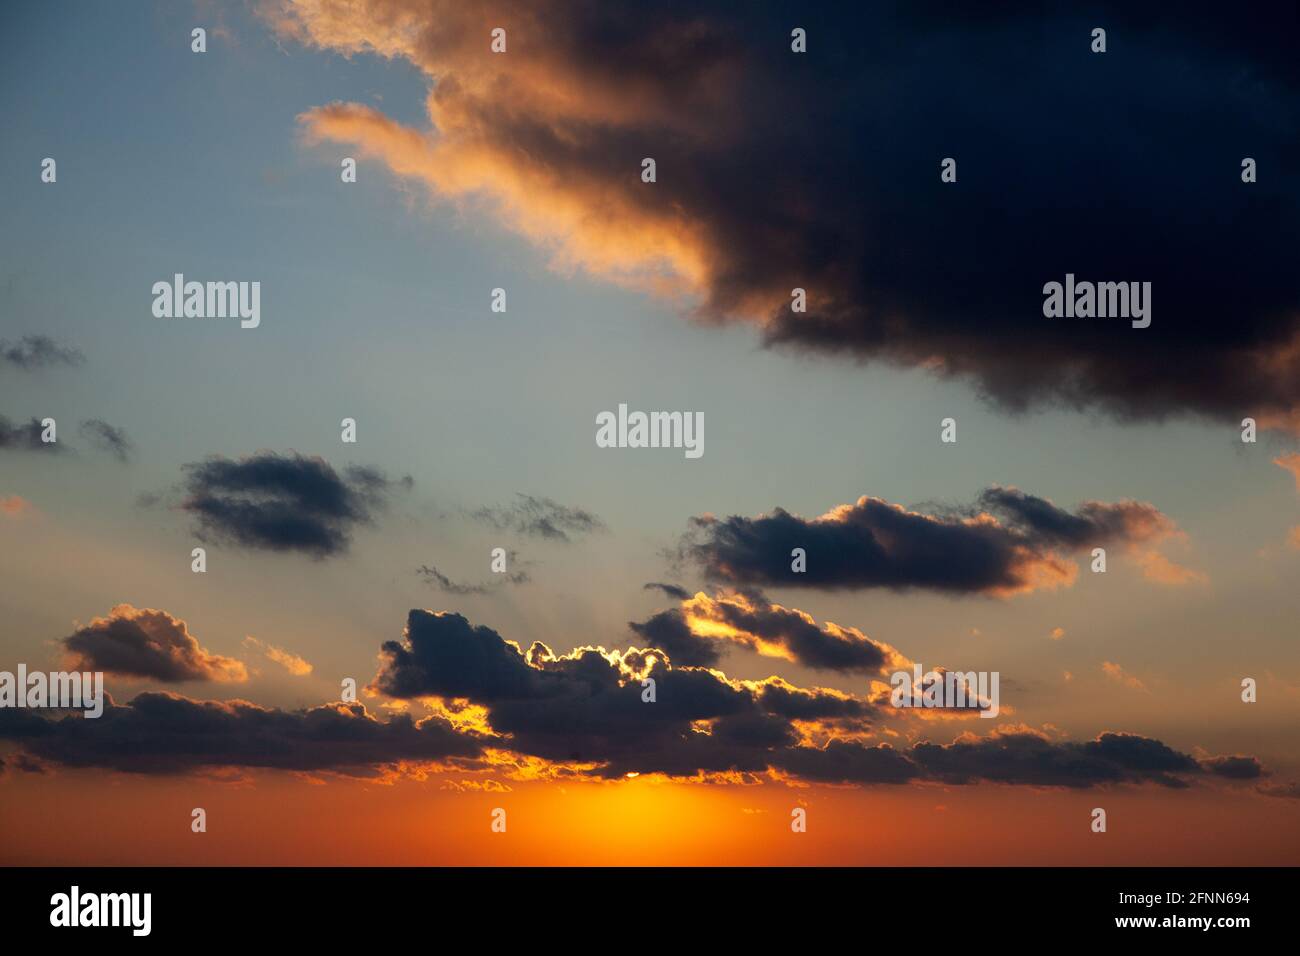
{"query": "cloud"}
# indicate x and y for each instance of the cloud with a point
(1234, 767)
(1121, 676)
(15, 506)
(788, 633)
(1023, 756)
(435, 577)
(1158, 568)
(282, 502)
(25, 437)
(1291, 462)
(670, 632)
(1009, 543)
(168, 733)
(38, 351)
(540, 518)
(580, 715)
(586, 707)
(143, 642)
(672, 590)
(550, 136)
(108, 438)
(1283, 791)
(295, 665)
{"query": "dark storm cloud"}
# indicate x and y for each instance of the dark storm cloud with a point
(25, 437)
(820, 170)
(38, 351)
(167, 733)
(1010, 542)
(668, 631)
(108, 438)
(282, 502)
(540, 518)
(144, 642)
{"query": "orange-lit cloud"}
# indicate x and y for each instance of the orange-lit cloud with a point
(548, 139)
(14, 506)
(1120, 676)
(295, 665)
(1156, 567)
(1291, 462)
(149, 643)
(788, 634)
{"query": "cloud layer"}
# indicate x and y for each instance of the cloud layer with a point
(167, 733)
(587, 713)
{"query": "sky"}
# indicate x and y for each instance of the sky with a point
(475, 430)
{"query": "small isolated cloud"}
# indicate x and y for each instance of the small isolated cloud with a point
(144, 642)
(1121, 676)
(1158, 568)
(1291, 462)
(282, 502)
(25, 436)
(672, 590)
(1057, 633)
(38, 351)
(14, 506)
(540, 518)
(1009, 542)
(444, 583)
(291, 662)
(108, 438)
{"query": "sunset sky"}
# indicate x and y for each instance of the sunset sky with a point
(475, 430)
